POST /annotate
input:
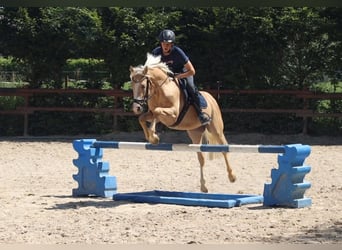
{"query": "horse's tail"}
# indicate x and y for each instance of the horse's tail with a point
(208, 138)
(216, 137)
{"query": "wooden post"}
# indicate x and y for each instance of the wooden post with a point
(26, 97)
(305, 117)
(115, 117)
(66, 80)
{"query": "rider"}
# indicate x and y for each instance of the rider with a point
(181, 66)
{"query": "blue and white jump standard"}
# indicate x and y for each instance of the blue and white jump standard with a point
(286, 189)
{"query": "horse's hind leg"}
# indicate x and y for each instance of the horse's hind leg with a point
(196, 138)
(222, 140)
(201, 160)
(231, 175)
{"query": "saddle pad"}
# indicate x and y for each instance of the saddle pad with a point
(182, 86)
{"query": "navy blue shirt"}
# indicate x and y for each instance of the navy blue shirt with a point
(175, 60)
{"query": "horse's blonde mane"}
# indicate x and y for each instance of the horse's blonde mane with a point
(155, 62)
(138, 69)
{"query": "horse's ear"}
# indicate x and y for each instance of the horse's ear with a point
(131, 68)
(145, 70)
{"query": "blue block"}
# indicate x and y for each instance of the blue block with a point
(92, 177)
(189, 198)
(288, 187)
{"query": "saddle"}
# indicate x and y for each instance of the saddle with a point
(188, 101)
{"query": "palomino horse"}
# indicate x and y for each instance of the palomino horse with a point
(153, 86)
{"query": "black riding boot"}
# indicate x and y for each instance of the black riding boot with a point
(194, 94)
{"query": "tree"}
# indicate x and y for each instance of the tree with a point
(241, 47)
(46, 37)
(307, 47)
(128, 34)
(333, 29)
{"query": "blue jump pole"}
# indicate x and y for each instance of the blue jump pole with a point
(190, 147)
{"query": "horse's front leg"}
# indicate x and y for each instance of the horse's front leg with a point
(167, 116)
(149, 132)
(153, 137)
(143, 118)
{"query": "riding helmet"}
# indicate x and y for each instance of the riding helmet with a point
(167, 36)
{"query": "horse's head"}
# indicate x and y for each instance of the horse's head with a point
(145, 79)
(139, 83)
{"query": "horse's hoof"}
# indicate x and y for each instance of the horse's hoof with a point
(154, 140)
(204, 189)
(232, 178)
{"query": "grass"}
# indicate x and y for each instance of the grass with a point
(13, 84)
(327, 87)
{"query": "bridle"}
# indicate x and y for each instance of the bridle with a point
(143, 102)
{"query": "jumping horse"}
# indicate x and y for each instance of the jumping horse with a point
(154, 87)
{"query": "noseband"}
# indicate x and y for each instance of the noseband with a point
(143, 102)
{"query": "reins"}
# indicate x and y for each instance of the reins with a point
(143, 102)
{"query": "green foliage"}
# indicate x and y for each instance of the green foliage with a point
(10, 102)
(328, 87)
(12, 70)
(7, 64)
(45, 38)
(262, 47)
(85, 64)
(11, 125)
(94, 70)
(126, 86)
